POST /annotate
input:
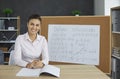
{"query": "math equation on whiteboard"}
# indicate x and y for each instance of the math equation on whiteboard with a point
(74, 43)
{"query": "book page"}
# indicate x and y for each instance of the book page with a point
(29, 72)
(50, 69)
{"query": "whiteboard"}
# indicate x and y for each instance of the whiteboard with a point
(74, 43)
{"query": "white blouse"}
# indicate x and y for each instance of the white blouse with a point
(26, 51)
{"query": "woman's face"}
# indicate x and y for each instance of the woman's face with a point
(33, 26)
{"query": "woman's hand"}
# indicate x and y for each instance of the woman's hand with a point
(35, 64)
(38, 64)
(29, 65)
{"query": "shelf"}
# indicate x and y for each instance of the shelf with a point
(118, 57)
(3, 30)
(13, 41)
(6, 52)
(115, 32)
(9, 18)
(5, 63)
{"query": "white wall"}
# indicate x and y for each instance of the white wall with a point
(102, 7)
(109, 4)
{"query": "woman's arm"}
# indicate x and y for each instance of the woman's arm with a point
(45, 55)
(18, 53)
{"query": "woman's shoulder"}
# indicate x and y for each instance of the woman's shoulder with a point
(41, 37)
(21, 36)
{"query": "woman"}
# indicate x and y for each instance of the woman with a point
(31, 49)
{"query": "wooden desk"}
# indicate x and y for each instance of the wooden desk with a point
(67, 72)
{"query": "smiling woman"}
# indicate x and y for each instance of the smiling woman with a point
(30, 47)
(33, 26)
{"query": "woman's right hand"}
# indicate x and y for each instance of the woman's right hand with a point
(30, 65)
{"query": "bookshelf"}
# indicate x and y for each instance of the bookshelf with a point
(9, 30)
(115, 20)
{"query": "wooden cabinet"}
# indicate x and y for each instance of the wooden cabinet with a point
(9, 30)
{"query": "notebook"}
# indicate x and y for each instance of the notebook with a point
(48, 69)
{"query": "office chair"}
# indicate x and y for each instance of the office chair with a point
(11, 58)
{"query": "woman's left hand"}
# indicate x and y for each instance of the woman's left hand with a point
(37, 64)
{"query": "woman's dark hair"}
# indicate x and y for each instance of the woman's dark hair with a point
(34, 16)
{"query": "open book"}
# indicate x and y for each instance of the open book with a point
(49, 69)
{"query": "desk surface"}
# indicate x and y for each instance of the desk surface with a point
(67, 72)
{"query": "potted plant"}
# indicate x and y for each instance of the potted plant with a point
(76, 12)
(7, 11)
